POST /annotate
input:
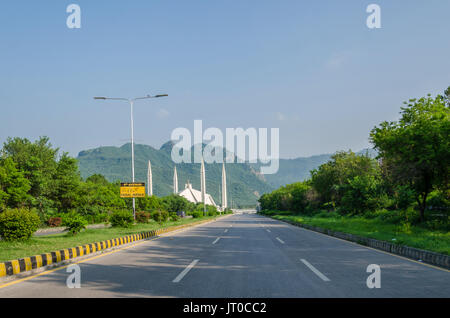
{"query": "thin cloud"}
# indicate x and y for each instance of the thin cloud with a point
(280, 116)
(163, 113)
(337, 61)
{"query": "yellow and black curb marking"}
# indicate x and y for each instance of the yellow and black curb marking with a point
(30, 263)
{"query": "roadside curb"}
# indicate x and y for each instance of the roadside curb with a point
(42, 262)
(412, 253)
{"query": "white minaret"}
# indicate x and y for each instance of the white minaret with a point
(149, 180)
(175, 181)
(203, 184)
(224, 188)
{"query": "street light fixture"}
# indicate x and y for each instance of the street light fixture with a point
(131, 101)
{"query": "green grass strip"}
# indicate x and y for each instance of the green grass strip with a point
(49, 243)
(414, 236)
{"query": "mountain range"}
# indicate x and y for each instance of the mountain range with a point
(298, 169)
(244, 182)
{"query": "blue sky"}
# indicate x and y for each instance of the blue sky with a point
(311, 68)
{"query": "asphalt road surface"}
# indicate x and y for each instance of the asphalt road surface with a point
(243, 255)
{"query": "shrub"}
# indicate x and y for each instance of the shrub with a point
(121, 218)
(326, 214)
(211, 210)
(165, 215)
(160, 216)
(197, 214)
(142, 217)
(403, 197)
(156, 216)
(75, 223)
(18, 224)
(361, 194)
(439, 201)
(101, 218)
(174, 203)
(174, 217)
(437, 225)
(54, 221)
(394, 216)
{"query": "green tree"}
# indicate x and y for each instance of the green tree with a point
(37, 160)
(175, 203)
(66, 184)
(96, 197)
(333, 179)
(98, 179)
(292, 197)
(416, 149)
(362, 194)
(14, 186)
(447, 96)
(149, 203)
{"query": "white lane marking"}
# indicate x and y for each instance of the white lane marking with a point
(185, 271)
(280, 240)
(226, 231)
(268, 230)
(316, 271)
(216, 240)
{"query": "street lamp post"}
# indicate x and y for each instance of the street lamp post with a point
(131, 101)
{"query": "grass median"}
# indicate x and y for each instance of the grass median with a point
(49, 243)
(413, 236)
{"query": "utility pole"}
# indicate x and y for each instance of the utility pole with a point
(131, 102)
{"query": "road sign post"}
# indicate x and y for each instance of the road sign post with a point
(132, 190)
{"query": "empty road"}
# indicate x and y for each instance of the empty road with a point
(243, 255)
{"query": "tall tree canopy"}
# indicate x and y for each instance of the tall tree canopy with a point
(14, 186)
(416, 149)
(37, 160)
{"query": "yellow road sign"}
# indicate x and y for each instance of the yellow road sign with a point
(132, 190)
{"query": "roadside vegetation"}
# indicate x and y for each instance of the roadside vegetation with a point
(377, 227)
(39, 187)
(36, 245)
(402, 196)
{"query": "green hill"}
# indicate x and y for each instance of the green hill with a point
(298, 169)
(244, 184)
(294, 170)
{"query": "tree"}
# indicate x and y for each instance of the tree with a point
(149, 203)
(37, 161)
(362, 194)
(14, 186)
(333, 179)
(175, 203)
(66, 184)
(416, 149)
(98, 179)
(98, 196)
(447, 96)
(292, 197)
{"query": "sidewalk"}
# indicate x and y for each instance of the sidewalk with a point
(58, 230)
